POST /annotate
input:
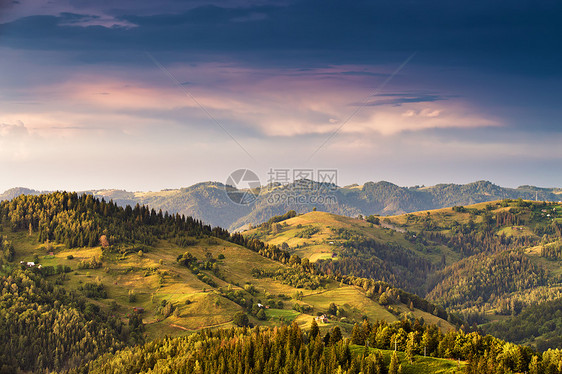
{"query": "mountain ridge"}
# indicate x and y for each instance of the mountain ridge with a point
(209, 202)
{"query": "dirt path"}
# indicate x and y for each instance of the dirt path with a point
(200, 328)
(178, 327)
(392, 227)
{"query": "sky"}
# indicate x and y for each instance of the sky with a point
(144, 95)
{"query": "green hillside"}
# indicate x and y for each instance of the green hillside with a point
(88, 286)
(175, 274)
(487, 261)
(150, 277)
(80, 267)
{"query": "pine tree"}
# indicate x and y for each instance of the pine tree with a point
(336, 335)
(535, 366)
(314, 330)
(357, 335)
(410, 347)
(366, 329)
(327, 338)
(394, 364)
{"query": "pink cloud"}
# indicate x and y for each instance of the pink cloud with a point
(273, 102)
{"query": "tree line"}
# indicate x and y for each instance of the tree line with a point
(288, 349)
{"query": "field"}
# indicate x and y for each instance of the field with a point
(152, 278)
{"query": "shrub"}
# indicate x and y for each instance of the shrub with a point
(241, 319)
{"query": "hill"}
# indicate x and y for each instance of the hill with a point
(148, 275)
(208, 201)
(488, 261)
(88, 286)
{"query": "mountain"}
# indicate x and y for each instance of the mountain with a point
(15, 192)
(209, 202)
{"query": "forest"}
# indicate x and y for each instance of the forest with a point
(46, 326)
(288, 349)
(42, 326)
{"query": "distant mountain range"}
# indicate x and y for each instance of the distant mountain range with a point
(209, 202)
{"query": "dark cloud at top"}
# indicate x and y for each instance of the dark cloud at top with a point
(514, 35)
(510, 44)
(397, 99)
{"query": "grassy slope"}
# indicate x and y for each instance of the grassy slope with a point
(319, 246)
(152, 282)
(447, 216)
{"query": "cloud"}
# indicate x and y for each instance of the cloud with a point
(69, 13)
(422, 117)
(249, 102)
(100, 19)
(512, 36)
(16, 130)
(14, 141)
(386, 122)
(398, 99)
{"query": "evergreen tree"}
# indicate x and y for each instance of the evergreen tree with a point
(535, 366)
(261, 315)
(336, 335)
(410, 347)
(314, 330)
(394, 364)
(357, 335)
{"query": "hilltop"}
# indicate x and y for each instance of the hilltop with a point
(487, 261)
(208, 201)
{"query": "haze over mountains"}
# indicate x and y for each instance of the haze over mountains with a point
(209, 202)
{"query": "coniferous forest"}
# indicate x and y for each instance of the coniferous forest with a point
(288, 349)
